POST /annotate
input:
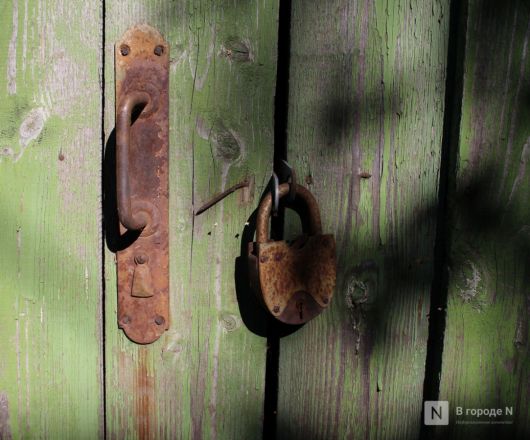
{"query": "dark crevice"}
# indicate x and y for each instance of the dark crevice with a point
(449, 153)
(281, 104)
(271, 383)
(102, 244)
(281, 98)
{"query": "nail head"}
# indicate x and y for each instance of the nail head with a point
(141, 259)
(124, 50)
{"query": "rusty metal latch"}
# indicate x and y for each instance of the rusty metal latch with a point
(295, 281)
(141, 62)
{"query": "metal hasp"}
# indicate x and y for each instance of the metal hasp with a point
(141, 62)
(295, 281)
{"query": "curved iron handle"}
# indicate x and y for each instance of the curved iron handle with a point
(138, 220)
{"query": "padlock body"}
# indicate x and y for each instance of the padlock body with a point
(295, 280)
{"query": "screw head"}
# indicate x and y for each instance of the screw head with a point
(124, 50)
(159, 50)
(159, 320)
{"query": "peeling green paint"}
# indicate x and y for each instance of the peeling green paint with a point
(365, 120)
(207, 374)
(50, 285)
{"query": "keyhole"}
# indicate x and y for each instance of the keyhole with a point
(300, 307)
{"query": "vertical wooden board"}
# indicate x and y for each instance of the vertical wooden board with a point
(364, 133)
(50, 218)
(486, 353)
(205, 377)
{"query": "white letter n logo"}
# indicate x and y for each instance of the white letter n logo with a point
(436, 412)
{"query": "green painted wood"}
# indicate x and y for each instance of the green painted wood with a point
(486, 358)
(364, 133)
(50, 219)
(205, 377)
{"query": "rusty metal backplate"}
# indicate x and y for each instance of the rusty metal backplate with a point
(297, 280)
(141, 64)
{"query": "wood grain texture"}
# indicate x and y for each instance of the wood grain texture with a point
(205, 377)
(50, 243)
(364, 133)
(486, 362)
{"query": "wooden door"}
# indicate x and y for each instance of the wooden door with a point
(205, 378)
(366, 102)
(407, 121)
(486, 357)
(65, 368)
(51, 295)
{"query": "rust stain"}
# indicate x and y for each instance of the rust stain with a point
(5, 428)
(197, 398)
(145, 397)
(297, 283)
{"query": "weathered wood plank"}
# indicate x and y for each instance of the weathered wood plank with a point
(205, 377)
(50, 219)
(365, 128)
(486, 362)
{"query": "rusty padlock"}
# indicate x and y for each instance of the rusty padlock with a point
(295, 281)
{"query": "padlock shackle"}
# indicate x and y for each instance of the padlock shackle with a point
(265, 208)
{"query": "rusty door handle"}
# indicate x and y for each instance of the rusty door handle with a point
(131, 220)
(142, 182)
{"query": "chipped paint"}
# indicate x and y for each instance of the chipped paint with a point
(363, 91)
(75, 153)
(5, 428)
(521, 330)
(203, 130)
(172, 346)
(525, 155)
(176, 61)
(12, 54)
(200, 80)
(25, 36)
(513, 124)
(50, 96)
(470, 292)
(218, 304)
(19, 250)
(6, 152)
(30, 129)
